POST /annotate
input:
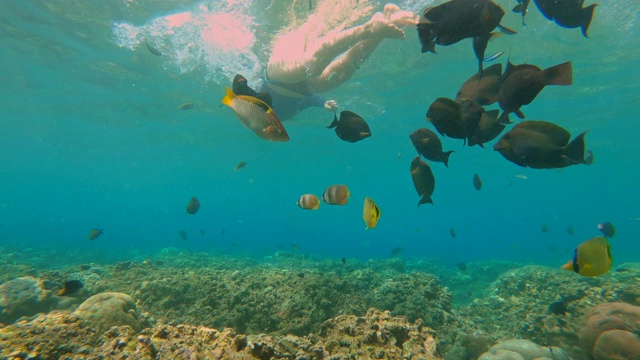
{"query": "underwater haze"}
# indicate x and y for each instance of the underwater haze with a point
(91, 137)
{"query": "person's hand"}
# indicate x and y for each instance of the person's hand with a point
(331, 105)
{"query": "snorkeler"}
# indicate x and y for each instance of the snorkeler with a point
(299, 67)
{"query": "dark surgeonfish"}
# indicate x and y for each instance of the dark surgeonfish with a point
(566, 13)
(591, 258)
(351, 127)
(477, 182)
(541, 145)
(455, 20)
(488, 128)
(94, 234)
(522, 83)
(423, 180)
(193, 206)
(428, 145)
(482, 88)
(445, 115)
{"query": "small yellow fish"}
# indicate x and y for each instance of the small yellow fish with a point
(370, 213)
(94, 234)
(257, 116)
(336, 195)
(591, 258)
(308, 202)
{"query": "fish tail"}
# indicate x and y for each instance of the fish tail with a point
(561, 74)
(426, 34)
(334, 123)
(425, 199)
(575, 149)
(446, 157)
(228, 98)
(504, 118)
(587, 15)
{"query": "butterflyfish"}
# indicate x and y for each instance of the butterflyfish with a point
(370, 213)
(308, 202)
(591, 258)
(336, 195)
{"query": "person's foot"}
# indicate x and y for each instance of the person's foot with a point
(399, 17)
(381, 26)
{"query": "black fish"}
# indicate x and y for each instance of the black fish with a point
(607, 229)
(446, 115)
(241, 87)
(488, 128)
(193, 206)
(344, 261)
(477, 182)
(351, 127)
(567, 13)
(423, 180)
(452, 232)
(521, 8)
(557, 308)
(482, 88)
(183, 235)
(71, 287)
(428, 145)
(522, 83)
(541, 145)
(570, 230)
(153, 50)
(461, 266)
(455, 20)
(396, 250)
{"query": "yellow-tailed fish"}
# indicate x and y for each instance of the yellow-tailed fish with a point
(370, 213)
(308, 202)
(336, 195)
(591, 258)
(256, 115)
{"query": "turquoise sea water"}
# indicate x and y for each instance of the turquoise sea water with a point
(91, 137)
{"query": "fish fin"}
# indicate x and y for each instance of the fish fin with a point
(587, 15)
(561, 74)
(518, 9)
(426, 36)
(504, 118)
(425, 199)
(492, 113)
(575, 149)
(334, 123)
(265, 96)
(519, 113)
(506, 30)
(364, 134)
(446, 157)
(228, 98)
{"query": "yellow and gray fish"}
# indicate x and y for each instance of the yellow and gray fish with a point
(336, 195)
(94, 234)
(423, 180)
(591, 258)
(193, 206)
(257, 116)
(185, 106)
(308, 202)
(241, 165)
(370, 213)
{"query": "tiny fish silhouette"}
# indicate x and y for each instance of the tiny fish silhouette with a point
(193, 206)
(477, 182)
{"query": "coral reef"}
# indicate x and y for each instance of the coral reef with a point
(376, 335)
(612, 331)
(519, 349)
(24, 296)
(109, 309)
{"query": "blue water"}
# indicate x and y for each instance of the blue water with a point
(90, 138)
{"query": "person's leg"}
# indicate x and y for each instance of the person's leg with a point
(312, 61)
(341, 69)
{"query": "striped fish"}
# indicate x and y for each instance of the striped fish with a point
(256, 115)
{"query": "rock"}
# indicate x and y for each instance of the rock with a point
(520, 349)
(24, 296)
(598, 339)
(104, 310)
(617, 345)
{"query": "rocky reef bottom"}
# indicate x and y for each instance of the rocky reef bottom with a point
(198, 306)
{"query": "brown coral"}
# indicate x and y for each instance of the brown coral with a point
(610, 332)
